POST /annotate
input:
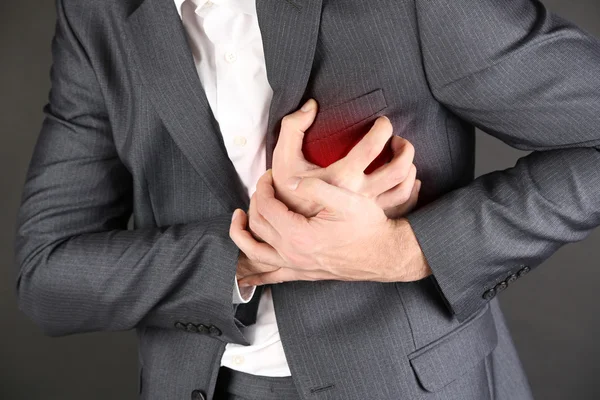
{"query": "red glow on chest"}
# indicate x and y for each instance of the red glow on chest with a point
(327, 149)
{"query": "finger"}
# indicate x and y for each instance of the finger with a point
(279, 276)
(369, 147)
(321, 192)
(393, 173)
(274, 211)
(259, 226)
(336, 175)
(404, 209)
(399, 194)
(247, 267)
(255, 251)
(292, 130)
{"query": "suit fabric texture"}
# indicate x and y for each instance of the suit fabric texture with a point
(128, 131)
(239, 385)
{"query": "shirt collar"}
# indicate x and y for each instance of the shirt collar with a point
(245, 6)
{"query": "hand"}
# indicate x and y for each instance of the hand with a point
(350, 239)
(252, 265)
(394, 186)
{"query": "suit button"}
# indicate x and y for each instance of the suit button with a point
(523, 271)
(202, 329)
(191, 328)
(501, 286)
(198, 395)
(179, 325)
(512, 278)
(489, 294)
(214, 331)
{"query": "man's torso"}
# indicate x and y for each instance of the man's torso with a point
(359, 60)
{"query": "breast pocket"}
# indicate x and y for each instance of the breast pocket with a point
(338, 128)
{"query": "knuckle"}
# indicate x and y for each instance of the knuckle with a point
(372, 150)
(403, 196)
(287, 121)
(400, 171)
(257, 260)
(251, 258)
(340, 180)
(401, 141)
(336, 179)
(396, 176)
(409, 149)
(384, 203)
(253, 224)
(260, 208)
(252, 220)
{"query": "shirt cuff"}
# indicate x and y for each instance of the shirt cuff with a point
(242, 295)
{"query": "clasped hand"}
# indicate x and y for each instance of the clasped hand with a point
(311, 223)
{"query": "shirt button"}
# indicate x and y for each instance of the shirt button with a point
(238, 360)
(230, 57)
(240, 141)
(209, 3)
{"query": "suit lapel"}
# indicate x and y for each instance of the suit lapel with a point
(167, 69)
(289, 30)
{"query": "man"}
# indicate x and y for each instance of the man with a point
(373, 297)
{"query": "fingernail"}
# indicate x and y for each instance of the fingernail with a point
(418, 186)
(243, 284)
(234, 215)
(309, 105)
(293, 182)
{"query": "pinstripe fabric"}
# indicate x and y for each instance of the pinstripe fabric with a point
(128, 129)
(238, 385)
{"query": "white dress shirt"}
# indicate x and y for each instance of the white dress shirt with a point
(227, 46)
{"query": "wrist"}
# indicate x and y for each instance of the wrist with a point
(409, 262)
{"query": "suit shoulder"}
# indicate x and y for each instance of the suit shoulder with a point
(98, 8)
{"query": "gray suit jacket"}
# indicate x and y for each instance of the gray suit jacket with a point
(128, 129)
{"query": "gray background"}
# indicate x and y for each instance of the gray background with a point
(552, 312)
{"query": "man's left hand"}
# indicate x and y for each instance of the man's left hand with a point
(351, 239)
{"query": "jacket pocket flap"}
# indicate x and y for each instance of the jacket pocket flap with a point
(445, 360)
(336, 118)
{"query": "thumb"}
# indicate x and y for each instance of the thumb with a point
(293, 127)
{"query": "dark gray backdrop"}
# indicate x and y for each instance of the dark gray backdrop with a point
(552, 312)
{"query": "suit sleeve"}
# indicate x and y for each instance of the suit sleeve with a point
(532, 80)
(79, 268)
